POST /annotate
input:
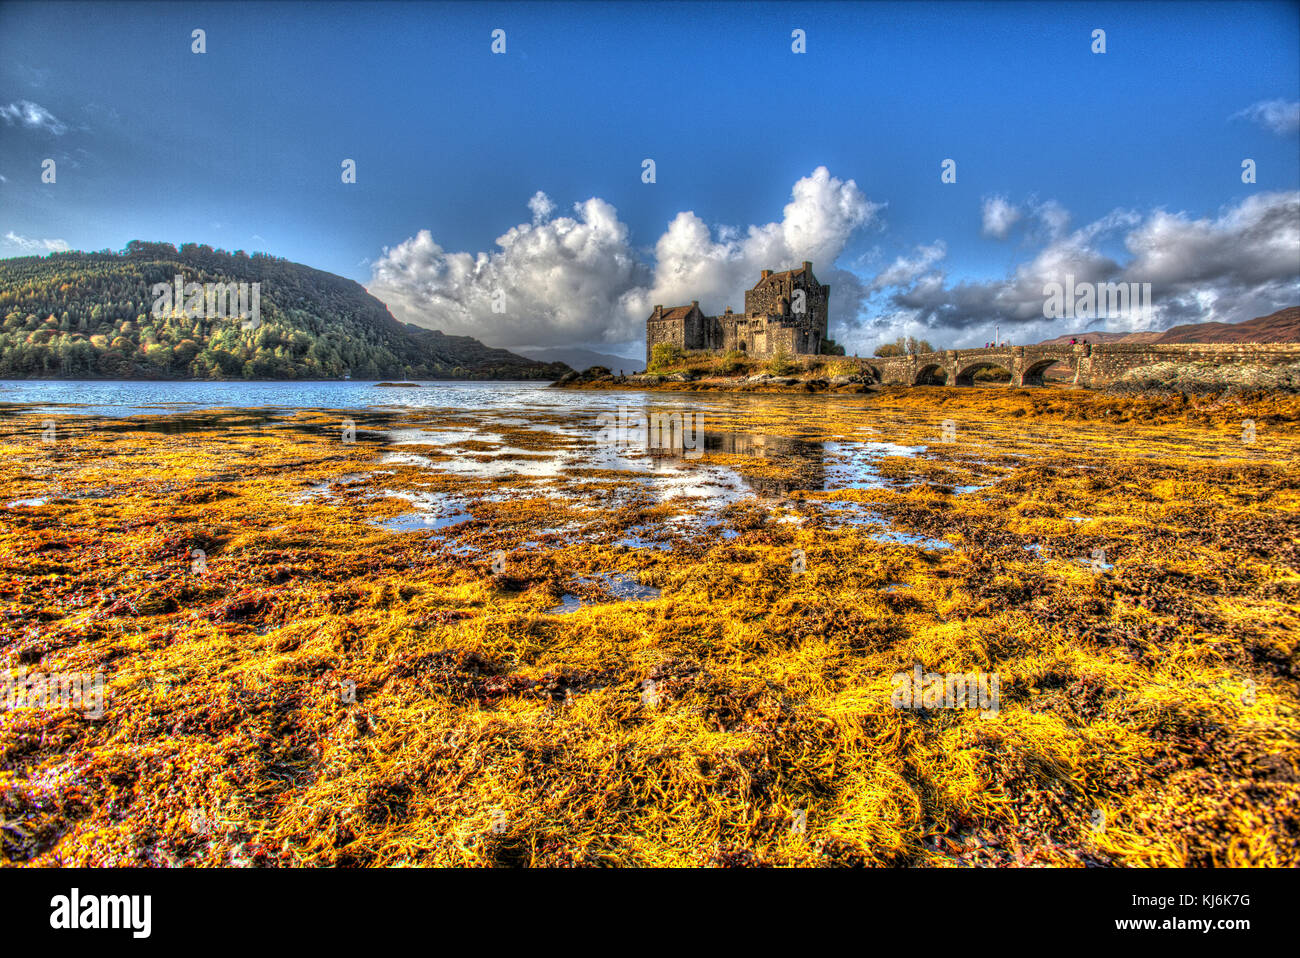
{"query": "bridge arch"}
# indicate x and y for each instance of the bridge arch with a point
(1033, 374)
(931, 374)
(966, 375)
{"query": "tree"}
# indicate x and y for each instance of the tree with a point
(664, 355)
(910, 346)
(782, 363)
(159, 356)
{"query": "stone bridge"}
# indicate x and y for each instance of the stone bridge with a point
(1092, 364)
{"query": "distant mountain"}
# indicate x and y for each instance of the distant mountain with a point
(1095, 337)
(1280, 327)
(91, 315)
(581, 359)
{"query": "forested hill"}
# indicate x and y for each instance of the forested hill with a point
(90, 316)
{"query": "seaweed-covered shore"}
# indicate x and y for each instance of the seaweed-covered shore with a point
(483, 638)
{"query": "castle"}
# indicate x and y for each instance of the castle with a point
(783, 312)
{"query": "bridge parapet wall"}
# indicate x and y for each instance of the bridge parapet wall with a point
(1093, 364)
(1109, 361)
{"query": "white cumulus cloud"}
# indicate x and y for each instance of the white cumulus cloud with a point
(554, 282)
(906, 270)
(1280, 116)
(577, 279)
(33, 116)
(36, 245)
(542, 206)
(999, 216)
(1241, 263)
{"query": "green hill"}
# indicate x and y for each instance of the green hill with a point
(91, 316)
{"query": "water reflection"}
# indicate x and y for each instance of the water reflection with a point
(807, 460)
(523, 438)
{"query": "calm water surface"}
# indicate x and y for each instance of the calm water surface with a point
(114, 398)
(132, 398)
(478, 411)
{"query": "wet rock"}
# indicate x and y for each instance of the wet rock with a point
(592, 374)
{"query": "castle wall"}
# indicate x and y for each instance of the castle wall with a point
(782, 338)
(770, 299)
(765, 336)
(664, 331)
(694, 331)
(703, 332)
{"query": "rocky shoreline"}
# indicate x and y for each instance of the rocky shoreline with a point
(599, 377)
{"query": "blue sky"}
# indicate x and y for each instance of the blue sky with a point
(1091, 155)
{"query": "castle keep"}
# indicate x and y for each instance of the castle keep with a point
(784, 311)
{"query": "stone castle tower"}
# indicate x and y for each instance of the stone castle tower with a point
(783, 311)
